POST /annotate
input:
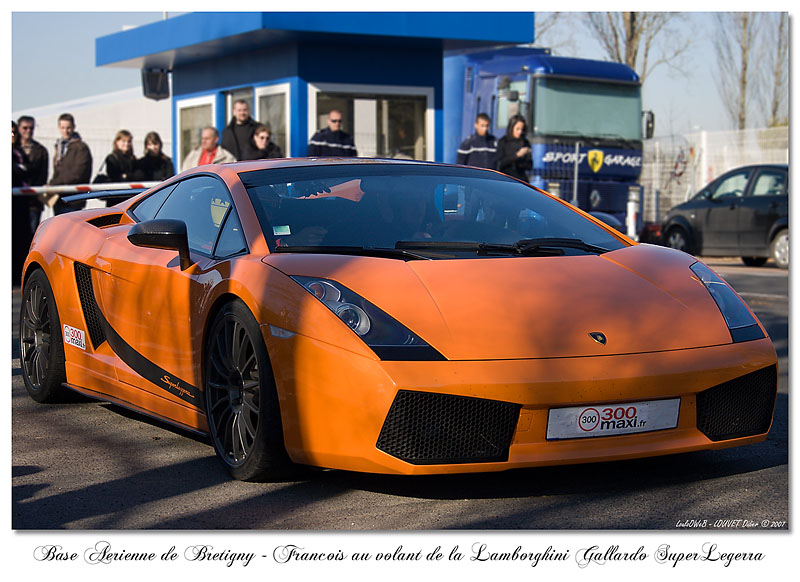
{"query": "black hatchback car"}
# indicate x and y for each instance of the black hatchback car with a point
(743, 212)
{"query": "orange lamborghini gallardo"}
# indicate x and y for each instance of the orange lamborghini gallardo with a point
(390, 317)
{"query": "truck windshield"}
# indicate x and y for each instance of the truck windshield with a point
(582, 108)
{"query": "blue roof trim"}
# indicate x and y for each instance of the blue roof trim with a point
(216, 30)
(542, 63)
(180, 31)
(568, 67)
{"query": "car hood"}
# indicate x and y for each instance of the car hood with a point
(641, 299)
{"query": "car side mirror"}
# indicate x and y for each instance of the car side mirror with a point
(648, 124)
(163, 233)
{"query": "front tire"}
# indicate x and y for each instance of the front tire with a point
(240, 397)
(41, 347)
(678, 239)
(779, 249)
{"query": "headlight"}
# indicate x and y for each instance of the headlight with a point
(387, 337)
(741, 323)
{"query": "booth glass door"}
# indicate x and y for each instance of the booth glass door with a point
(193, 116)
(384, 126)
(272, 109)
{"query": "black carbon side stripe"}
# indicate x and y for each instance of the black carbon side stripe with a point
(145, 368)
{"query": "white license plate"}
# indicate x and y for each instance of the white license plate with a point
(599, 420)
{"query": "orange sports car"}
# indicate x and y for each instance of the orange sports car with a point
(390, 317)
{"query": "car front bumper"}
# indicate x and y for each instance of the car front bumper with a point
(342, 410)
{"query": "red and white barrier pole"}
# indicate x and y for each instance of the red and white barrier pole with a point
(79, 188)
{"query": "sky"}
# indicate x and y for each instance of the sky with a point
(51, 63)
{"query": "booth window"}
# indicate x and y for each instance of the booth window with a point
(384, 126)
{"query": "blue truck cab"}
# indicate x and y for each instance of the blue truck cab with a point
(571, 105)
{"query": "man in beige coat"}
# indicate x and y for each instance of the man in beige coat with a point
(208, 152)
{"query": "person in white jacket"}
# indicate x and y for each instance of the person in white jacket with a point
(208, 152)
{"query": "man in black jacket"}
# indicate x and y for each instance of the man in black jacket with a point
(332, 141)
(36, 152)
(238, 134)
(479, 149)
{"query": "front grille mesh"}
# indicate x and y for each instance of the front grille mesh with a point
(738, 408)
(83, 278)
(424, 428)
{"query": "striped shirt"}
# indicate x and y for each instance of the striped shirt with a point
(331, 143)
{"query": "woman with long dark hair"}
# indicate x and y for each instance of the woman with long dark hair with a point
(154, 165)
(120, 163)
(514, 150)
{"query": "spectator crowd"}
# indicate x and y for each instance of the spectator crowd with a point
(242, 139)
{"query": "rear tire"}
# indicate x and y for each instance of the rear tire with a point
(41, 346)
(754, 261)
(779, 249)
(240, 397)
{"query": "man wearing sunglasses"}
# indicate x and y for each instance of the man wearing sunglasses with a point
(36, 152)
(332, 141)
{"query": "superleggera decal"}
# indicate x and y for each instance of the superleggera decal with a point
(147, 369)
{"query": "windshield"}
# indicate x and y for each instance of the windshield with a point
(581, 108)
(437, 209)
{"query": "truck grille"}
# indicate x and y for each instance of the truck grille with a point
(424, 428)
(738, 408)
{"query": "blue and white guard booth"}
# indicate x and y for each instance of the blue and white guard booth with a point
(383, 70)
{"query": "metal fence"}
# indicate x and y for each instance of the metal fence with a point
(675, 167)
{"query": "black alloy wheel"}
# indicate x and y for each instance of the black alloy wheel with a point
(240, 397)
(41, 347)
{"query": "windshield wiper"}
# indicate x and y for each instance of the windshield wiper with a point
(480, 248)
(382, 252)
(536, 244)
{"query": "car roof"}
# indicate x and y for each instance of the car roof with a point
(769, 165)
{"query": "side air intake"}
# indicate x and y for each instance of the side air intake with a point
(91, 312)
(105, 220)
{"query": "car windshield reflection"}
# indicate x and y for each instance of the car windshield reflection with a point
(376, 206)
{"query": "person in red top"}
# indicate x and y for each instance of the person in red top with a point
(208, 152)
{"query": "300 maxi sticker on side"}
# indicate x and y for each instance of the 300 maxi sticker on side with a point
(75, 337)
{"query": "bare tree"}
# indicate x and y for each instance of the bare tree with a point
(545, 21)
(634, 38)
(555, 30)
(735, 45)
(776, 68)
